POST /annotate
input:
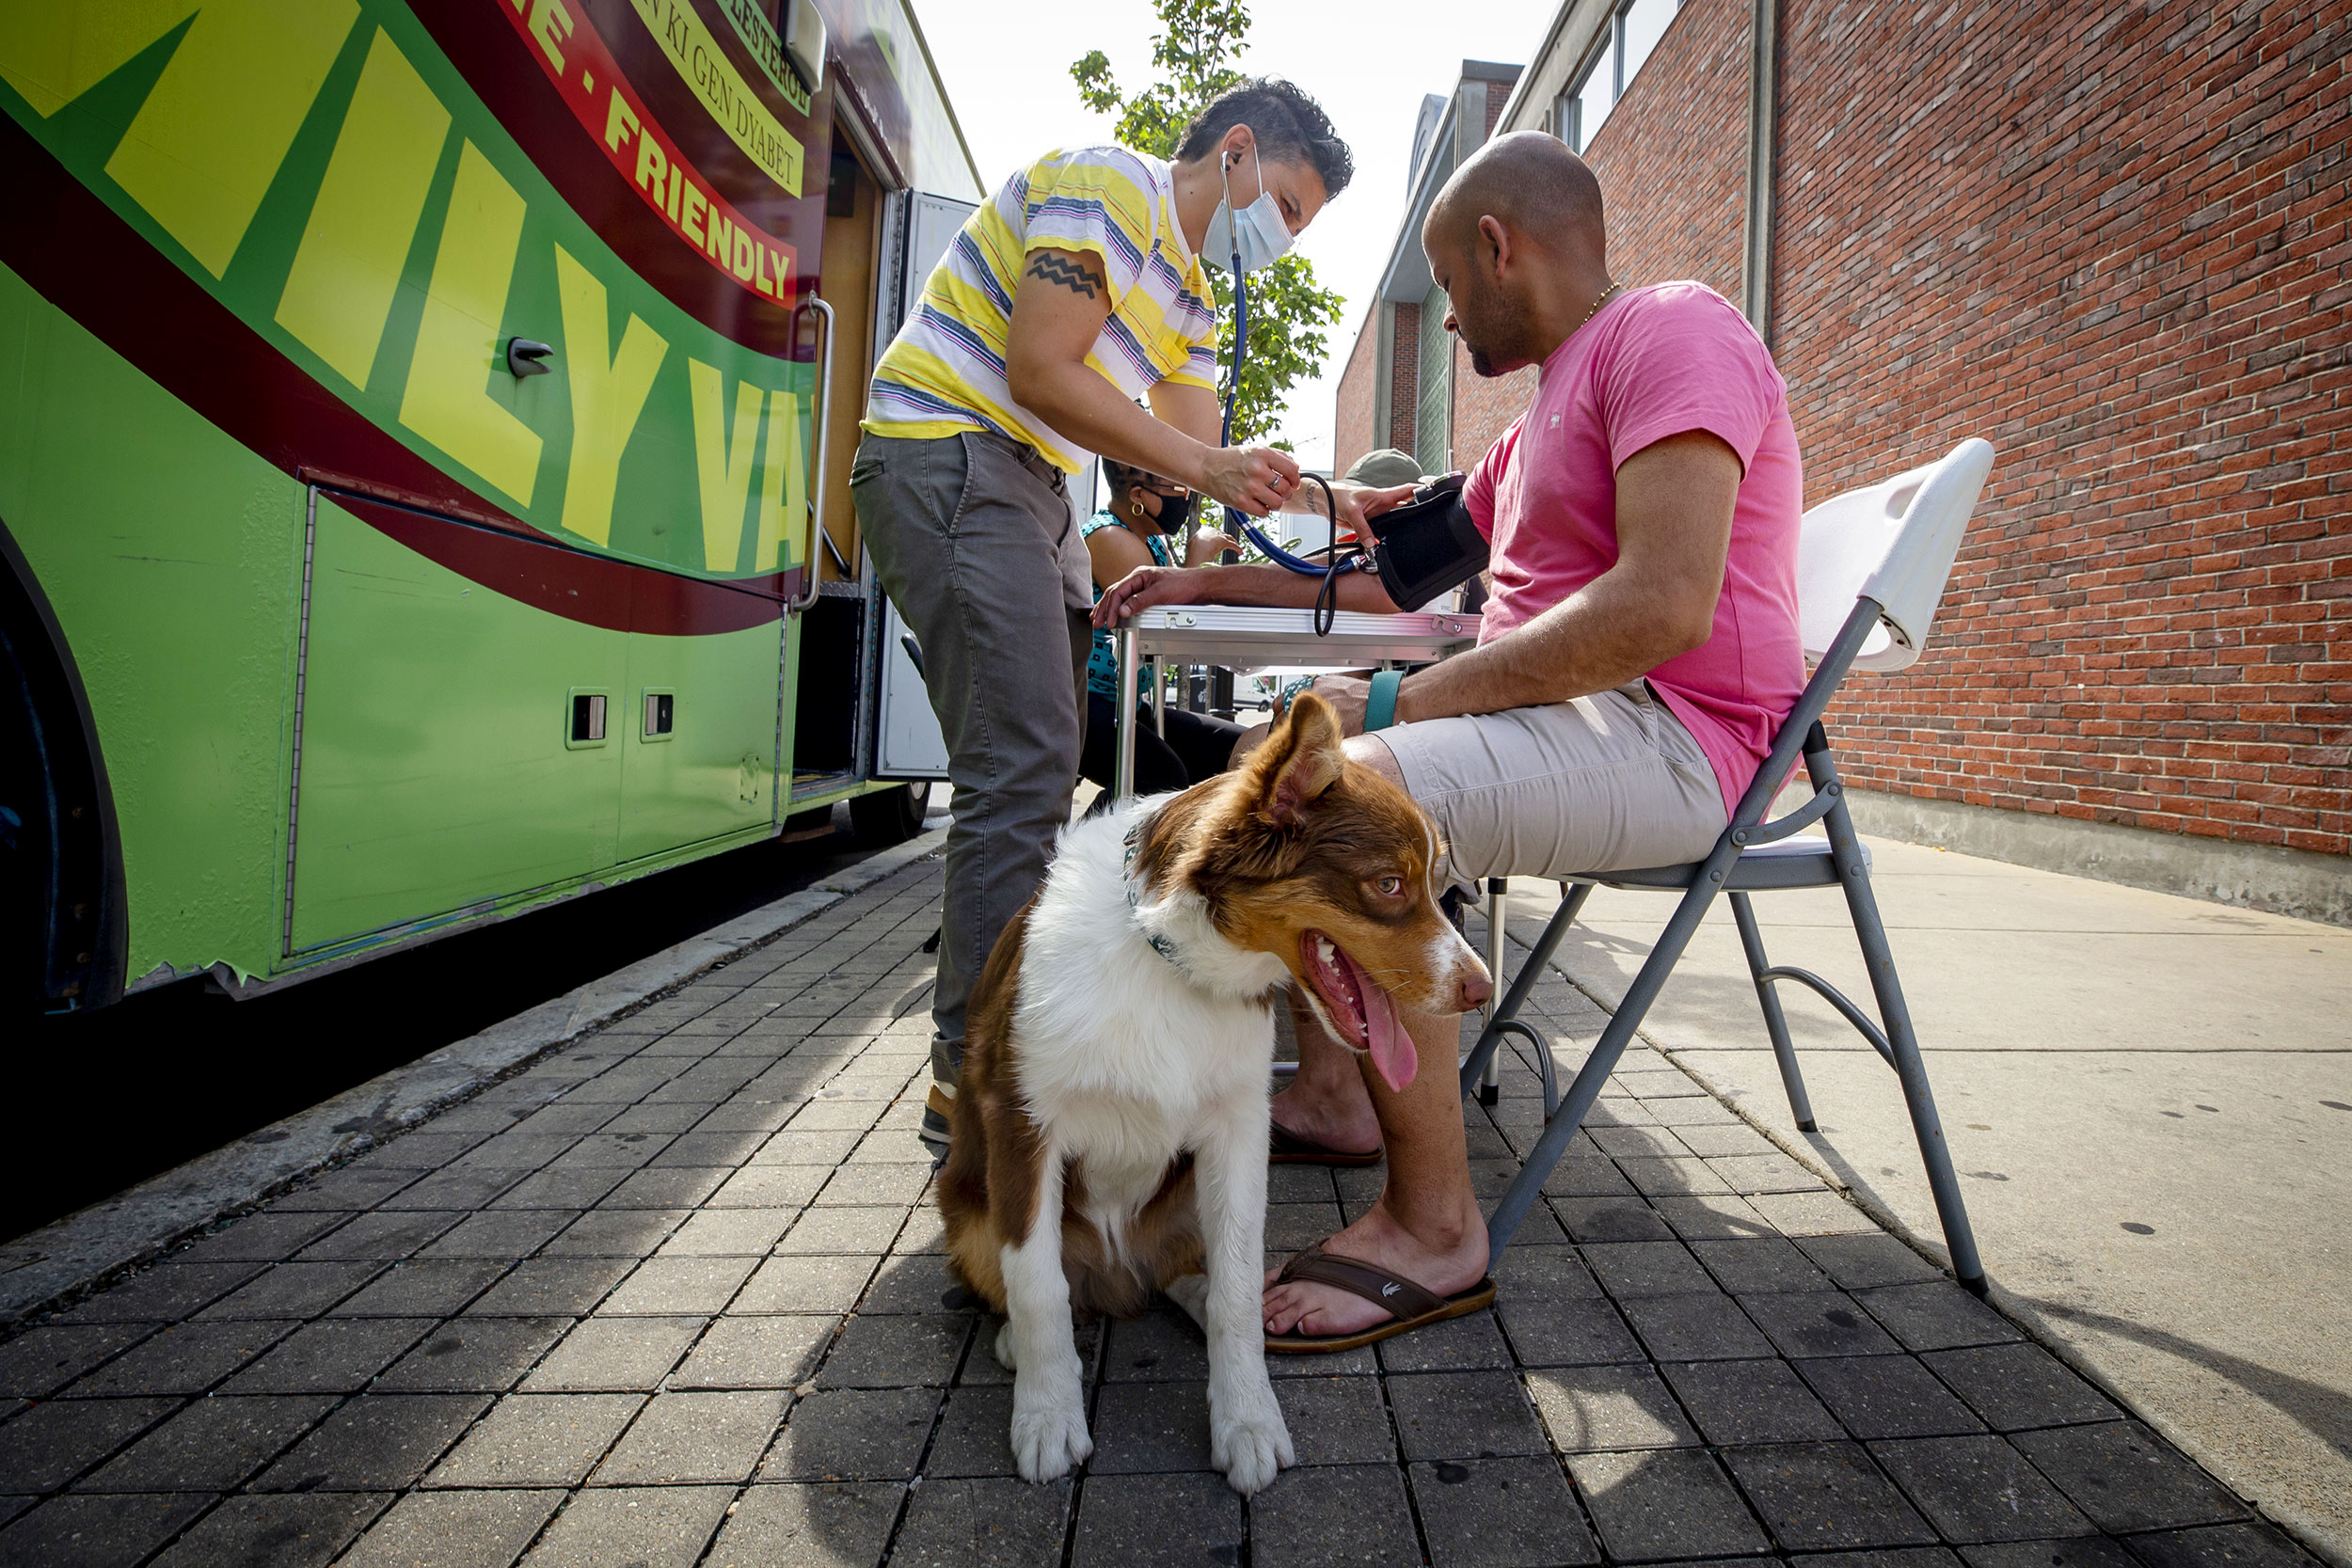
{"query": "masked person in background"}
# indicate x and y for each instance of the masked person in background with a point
(1145, 521)
(1076, 290)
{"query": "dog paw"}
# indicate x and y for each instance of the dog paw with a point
(1191, 1292)
(1049, 1441)
(1004, 1355)
(1251, 1445)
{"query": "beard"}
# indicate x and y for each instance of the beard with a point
(1489, 335)
(1493, 353)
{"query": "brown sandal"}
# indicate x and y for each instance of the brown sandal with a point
(1289, 1149)
(1414, 1305)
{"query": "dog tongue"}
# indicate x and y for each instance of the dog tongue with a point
(1392, 1049)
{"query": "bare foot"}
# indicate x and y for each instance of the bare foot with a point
(1338, 1117)
(1313, 1309)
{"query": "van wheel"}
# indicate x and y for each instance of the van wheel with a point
(889, 816)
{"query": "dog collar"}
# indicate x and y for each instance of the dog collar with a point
(1160, 944)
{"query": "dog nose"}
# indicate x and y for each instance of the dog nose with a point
(1476, 987)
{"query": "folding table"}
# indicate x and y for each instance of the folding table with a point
(1244, 637)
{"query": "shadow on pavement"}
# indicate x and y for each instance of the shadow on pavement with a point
(164, 1076)
(2325, 1412)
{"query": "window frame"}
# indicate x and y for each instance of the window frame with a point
(1567, 113)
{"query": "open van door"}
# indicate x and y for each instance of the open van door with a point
(916, 229)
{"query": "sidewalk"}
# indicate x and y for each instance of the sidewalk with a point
(2149, 1100)
(672, 1295)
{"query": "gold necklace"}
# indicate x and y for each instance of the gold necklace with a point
(1597, 305)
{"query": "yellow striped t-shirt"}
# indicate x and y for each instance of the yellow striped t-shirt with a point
(944, 372)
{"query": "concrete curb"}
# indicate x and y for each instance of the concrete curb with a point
(83, 1250)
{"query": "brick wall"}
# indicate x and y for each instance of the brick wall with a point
(1351, 433)
(2111, 240)
(1672, 156)
(1404, 377)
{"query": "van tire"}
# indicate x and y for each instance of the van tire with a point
(62, 924)
(888, 816)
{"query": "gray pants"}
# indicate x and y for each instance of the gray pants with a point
(973, 539)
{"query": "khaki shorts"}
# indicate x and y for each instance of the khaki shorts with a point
(1606, 783)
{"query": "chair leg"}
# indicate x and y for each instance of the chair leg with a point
(1775, 1025)
(1871, 931)
(1498, 922)
(1490, 1039)
(1563, 1124)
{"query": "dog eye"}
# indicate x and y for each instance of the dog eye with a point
(1390, 887)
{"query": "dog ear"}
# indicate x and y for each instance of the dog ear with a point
(1299, 760)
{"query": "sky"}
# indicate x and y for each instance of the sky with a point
(1012, 90)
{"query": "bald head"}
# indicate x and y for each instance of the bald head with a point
(1517, 243)
(1530, 184)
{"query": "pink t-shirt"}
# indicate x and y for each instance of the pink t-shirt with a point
(1655, 362)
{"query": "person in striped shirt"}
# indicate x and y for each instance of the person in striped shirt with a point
(1074, 292)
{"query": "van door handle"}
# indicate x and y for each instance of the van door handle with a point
(820, 426)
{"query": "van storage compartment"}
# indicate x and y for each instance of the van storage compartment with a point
(824, 735)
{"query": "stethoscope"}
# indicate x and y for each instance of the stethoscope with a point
(1326, 596)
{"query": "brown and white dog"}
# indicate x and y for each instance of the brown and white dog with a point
(1109, 1137)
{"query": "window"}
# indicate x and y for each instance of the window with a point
(1632, 33)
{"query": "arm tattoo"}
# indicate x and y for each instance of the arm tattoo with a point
(1071, 276)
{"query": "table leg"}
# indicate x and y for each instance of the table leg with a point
(1123, 775)
(1498, 923)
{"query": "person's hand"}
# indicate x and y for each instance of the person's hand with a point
(1358, 504)
(1348, 696)
(1371, 503)
(1209, 545)
(1146, 586)
(1256, 480)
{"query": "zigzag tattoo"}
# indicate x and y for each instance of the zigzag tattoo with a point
(1071, 276)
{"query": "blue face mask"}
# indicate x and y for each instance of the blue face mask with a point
(1258, 234)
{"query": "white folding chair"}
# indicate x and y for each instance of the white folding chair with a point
(1872, 566)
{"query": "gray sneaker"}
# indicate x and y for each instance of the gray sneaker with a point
(938, 1105)
(937, 1108)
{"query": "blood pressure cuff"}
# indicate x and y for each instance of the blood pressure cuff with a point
(1428, 545)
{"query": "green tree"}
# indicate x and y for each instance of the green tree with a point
(1192, 57)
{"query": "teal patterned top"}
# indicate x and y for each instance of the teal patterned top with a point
(1103, 663)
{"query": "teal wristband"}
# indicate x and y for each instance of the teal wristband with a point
(1380, 704)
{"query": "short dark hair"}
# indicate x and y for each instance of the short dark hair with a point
(1290, 126)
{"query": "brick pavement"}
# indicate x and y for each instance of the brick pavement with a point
(674, 1295)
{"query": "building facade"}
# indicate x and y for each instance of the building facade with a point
(2112, 241)
(1407, 385)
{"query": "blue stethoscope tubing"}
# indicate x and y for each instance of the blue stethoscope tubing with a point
(1274, 552)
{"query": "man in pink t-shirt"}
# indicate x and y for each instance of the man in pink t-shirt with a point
(1638, 652)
